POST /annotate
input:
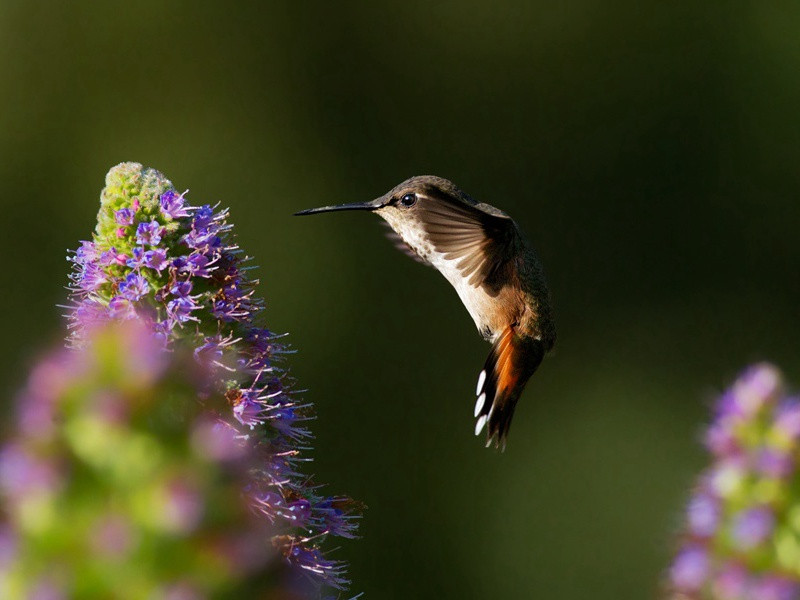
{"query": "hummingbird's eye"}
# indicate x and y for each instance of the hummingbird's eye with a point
(408, 199)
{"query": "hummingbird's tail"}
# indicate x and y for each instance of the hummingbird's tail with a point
(511, 362)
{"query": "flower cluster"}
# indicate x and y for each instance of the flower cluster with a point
(742, 533)
(117, 484)
(156, 258)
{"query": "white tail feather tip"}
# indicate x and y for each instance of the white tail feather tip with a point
(479, 425)
(479, 404)
(481, 381)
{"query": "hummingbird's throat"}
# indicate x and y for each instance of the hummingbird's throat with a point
(410, 230)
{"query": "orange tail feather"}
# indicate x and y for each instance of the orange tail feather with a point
(511, 362)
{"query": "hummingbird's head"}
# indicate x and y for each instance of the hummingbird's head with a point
(400, 200)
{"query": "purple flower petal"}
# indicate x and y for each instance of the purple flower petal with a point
(172, 205)
(787, 419)
(775, 463)
(124, 216)
(86, 253)
(92, 277)
(156, 259)
(248, 410)
(197, 265)
(149, 234)
(180, 309)
(181, 289)
(134, 287)
(136, 259)
(112, 257)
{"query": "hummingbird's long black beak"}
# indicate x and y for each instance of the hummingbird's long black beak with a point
(371, 205)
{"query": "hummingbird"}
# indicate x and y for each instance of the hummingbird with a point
(481, 251)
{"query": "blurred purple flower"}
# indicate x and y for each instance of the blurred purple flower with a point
(730, 582)
(751, 527)
(703, 515)
(787, 419)
(740, 537)
(120, 308)
(690, 569)
(775, 588)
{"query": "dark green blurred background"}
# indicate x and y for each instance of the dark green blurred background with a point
(650, 152)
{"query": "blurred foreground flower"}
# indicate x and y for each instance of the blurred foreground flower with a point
(742, 535)
(117, 483)
(176, 270)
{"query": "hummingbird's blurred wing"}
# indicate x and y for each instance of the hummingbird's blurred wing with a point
(477, 238)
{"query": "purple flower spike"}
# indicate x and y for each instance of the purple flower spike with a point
(172, 205)
(179, 269)
(148, 234)
(740, 539)
(134, 287)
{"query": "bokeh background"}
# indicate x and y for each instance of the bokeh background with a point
(649, 150)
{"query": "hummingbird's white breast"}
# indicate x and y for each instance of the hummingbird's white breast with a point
(481, 306)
